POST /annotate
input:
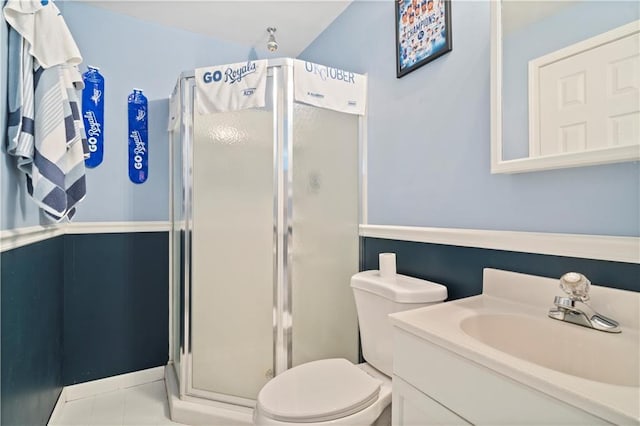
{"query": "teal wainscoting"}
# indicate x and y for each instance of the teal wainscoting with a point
(77, 308)
(116, 304)
(460, 268)
(32, 331)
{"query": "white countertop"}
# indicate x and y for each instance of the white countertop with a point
(507, 293)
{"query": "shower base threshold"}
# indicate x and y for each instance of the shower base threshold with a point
(198, 411)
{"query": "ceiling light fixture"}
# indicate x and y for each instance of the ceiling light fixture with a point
(272, 44)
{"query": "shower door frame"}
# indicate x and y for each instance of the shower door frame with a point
(281, 72)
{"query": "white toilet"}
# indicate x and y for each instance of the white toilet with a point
(335, 391)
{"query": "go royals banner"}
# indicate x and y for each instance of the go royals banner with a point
(93, 115)
(330, 88)
(231, 87)
(138, 137)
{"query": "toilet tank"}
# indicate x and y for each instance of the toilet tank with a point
(377, 297)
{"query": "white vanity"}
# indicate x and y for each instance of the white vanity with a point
(497, 358)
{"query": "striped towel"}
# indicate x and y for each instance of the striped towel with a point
(57, 181)
(20, 99)
(45, 129)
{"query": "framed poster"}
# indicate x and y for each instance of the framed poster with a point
(423, 32)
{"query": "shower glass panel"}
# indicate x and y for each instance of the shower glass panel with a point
(178, 204)
(232, 286)
(325, 234)
(264, 241)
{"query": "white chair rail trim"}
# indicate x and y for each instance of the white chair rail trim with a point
(600, 247)
(14, 238)
(116, 227)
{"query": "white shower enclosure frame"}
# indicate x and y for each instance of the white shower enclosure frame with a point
(280, 73)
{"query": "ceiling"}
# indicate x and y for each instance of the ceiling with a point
(517, 14)
(298, 22)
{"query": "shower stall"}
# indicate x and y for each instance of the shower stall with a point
(265, 208)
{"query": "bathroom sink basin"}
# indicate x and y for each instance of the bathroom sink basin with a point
(570, 349)
(507, 330)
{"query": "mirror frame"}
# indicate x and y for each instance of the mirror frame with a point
(548, 162)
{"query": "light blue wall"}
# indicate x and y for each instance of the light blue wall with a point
(134, 53)
(566, 27)
(130, 53)
(428, 139)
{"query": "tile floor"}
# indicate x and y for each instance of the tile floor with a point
(139, 405)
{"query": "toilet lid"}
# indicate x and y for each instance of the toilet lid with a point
(318, 391)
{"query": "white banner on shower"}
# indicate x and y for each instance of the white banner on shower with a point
(330, 88)
(231, 87)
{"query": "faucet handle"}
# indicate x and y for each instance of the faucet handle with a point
(575, 285)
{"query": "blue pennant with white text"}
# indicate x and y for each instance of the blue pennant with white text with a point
(93, 115)
(138, 137)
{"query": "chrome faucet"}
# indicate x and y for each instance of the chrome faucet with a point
(574, 308)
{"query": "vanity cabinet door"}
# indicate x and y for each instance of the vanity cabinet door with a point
(479, 394)
(412, 407)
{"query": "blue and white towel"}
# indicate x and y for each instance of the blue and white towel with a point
(46, 34)
(20, 130)
(45, 129)
(57, 181)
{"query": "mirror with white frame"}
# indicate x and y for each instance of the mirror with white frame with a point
(565, 84)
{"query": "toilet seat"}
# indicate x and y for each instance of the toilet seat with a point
(318, 391)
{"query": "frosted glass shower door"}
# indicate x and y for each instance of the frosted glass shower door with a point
(177, 245)
(232, 287)
(325, 220)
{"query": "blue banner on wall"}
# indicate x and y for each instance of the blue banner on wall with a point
(138, 137)
(93, 115)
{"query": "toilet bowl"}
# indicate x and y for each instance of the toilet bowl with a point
(336, 391)
(325, 392)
